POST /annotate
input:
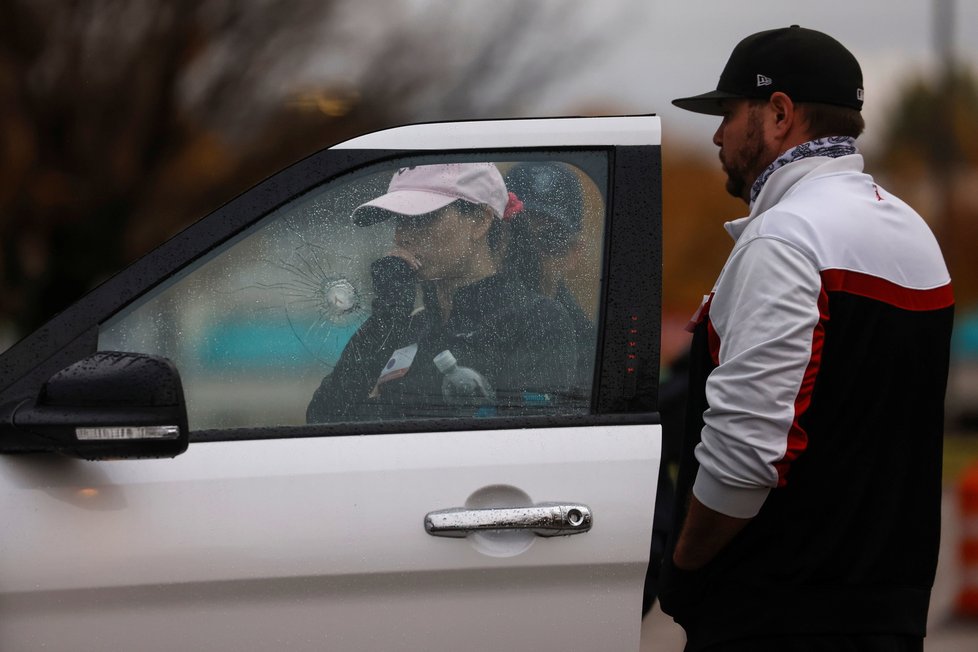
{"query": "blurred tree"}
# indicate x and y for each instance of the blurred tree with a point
(929, 155)
(95, 127)
(908, 141)
(694, 242)
(123, 120)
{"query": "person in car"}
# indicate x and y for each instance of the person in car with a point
(450, 236)
(809, 490)
(545, 246)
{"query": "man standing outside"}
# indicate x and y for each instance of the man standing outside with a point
(810, 483)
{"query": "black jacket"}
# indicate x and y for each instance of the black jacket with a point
(521, 343)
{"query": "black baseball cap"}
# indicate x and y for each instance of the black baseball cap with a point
(549, 188)
(806, 65)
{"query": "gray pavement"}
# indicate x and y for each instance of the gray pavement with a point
(947, 632)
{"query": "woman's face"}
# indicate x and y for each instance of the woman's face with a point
(443, 242)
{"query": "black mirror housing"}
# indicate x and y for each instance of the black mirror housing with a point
(109, 405)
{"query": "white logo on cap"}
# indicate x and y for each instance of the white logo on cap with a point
(859, 94)
(763, 80)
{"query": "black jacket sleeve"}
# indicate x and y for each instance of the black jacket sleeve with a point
(344, 394)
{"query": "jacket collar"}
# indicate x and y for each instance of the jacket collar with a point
(830, 146)
(786, 177)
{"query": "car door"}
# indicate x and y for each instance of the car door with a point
(510, 529)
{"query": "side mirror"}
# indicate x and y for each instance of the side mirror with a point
(109, 405)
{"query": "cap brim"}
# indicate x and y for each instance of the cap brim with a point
(708, 103)
(399, 202)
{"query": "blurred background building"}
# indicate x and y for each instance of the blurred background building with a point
(122, 121)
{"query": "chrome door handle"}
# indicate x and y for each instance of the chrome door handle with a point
(546, 520)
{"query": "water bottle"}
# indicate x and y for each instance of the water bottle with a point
(463, 387)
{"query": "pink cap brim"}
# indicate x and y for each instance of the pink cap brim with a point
(400, 202)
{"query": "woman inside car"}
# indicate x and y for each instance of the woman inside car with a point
(514, 344)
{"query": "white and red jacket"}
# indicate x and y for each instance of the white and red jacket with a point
(816, 407)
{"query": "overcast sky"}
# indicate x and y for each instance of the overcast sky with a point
(661, 49)
(643, 53)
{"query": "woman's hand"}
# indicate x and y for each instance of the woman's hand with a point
(406, 256)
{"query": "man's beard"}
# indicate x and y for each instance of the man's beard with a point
(744, 166)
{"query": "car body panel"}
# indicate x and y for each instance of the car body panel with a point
(313, 541)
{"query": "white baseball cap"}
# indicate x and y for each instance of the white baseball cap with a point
(423, 189)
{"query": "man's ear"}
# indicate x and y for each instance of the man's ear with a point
(783, 114)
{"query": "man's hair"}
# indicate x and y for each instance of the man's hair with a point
(825, 120)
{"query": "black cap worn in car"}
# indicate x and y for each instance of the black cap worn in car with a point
(806, 65)
(551, 189)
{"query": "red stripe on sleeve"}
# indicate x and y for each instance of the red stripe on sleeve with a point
(713, 339)
(874, 287)
(797, 437)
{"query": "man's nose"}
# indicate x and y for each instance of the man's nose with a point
(718, 136)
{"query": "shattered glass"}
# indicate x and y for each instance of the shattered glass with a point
(255, 326)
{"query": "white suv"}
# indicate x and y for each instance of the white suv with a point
(162, 489)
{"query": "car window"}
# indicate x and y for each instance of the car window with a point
(338, 308)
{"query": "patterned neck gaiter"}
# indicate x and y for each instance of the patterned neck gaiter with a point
(832, 146)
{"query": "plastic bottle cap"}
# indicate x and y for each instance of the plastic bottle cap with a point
(445, 361)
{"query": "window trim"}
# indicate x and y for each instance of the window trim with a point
(410, 426)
